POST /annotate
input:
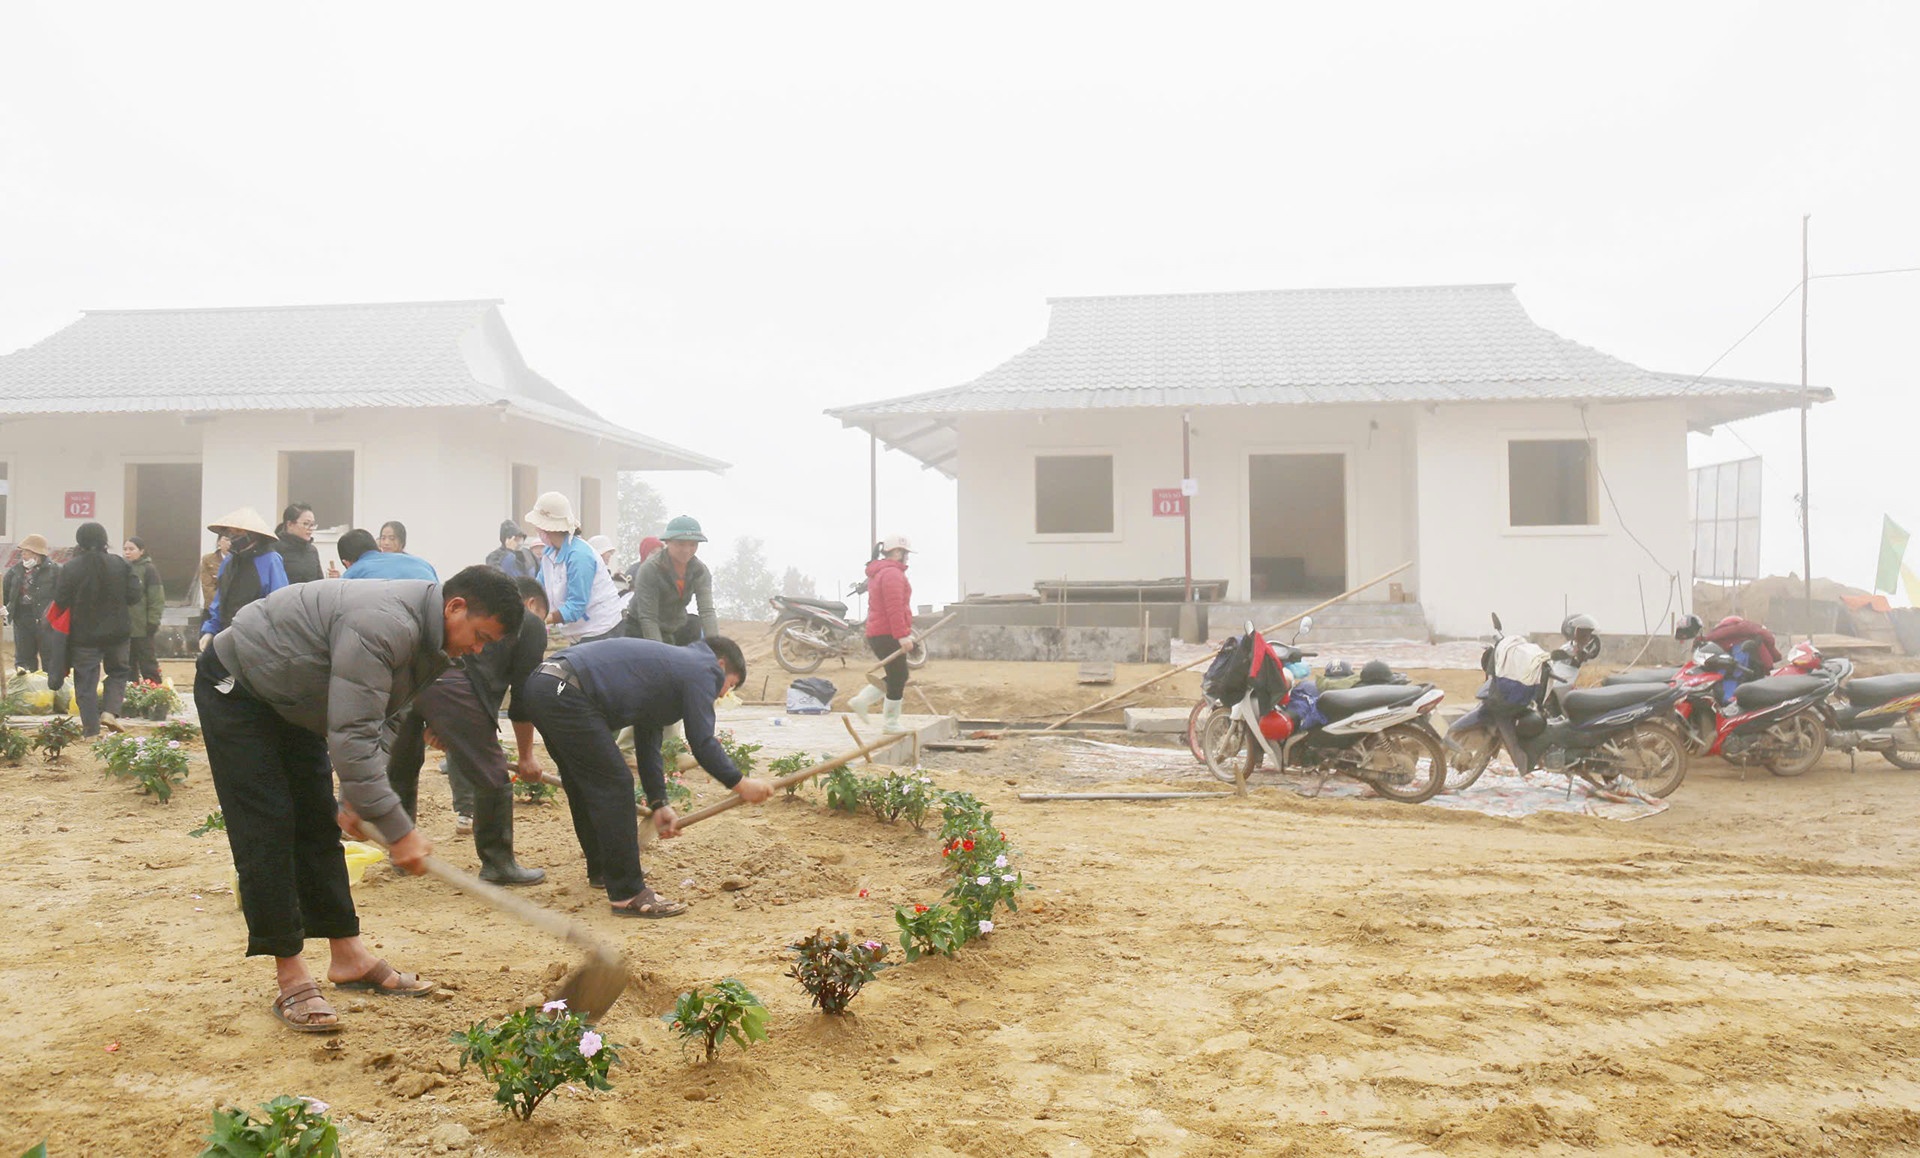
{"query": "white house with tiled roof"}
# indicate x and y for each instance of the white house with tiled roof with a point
(152, 422)
(1334, 435)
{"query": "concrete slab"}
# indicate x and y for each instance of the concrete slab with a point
(1158, 720)
(780, 734)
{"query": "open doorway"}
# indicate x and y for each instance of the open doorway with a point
(1298, 524)
(163, 510)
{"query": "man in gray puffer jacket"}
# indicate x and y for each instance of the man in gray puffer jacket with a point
(305, 684)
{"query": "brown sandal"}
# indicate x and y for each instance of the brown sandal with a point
(375, 980)
(284, 1004)
(649, 904)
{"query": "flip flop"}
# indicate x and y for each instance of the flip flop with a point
(650, 905)
(374, 981)
(283, 1010)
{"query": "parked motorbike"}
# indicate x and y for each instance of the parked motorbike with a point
(807, 632)
(1378, 735)
(1617, 739)
(1873, 714)
(1778, 720)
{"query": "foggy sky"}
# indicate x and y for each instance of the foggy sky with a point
(710, 222)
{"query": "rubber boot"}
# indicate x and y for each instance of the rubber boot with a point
(864, 701)
(493, 838)
(890, 717)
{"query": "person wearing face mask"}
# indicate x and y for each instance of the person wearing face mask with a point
(585, 694)
(670, 580)
(253, 569)
(146, 615)
(298, 690)
(25, 593)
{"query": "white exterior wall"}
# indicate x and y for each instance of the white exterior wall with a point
(446, 474)
(1474, 563)
(1001, 554)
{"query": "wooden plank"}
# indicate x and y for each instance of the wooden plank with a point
(1096, 672)
(1054, 797)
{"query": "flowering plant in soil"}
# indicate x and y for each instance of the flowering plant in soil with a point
(185, 731)
(55, 736)
(845, 790)
(711, 1015)
(896, 795)
(13, 743)
(671, 749)
(962, 813)
(833, 967)
(533, 792)
(926, 930)
(533, 1053)
(158, 766)
(287, 1128)
(216, 821)
(789, 764)
(146, 698)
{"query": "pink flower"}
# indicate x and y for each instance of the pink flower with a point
(558, 1006)
(870, 946)
(589, 1043)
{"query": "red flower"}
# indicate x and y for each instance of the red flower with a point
(967, 844)
(919, 908)
(863, 894)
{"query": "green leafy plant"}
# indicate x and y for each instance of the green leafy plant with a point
(185, 731)
(789, 764)
(833, 967)
(533, 791)
(961, 813)
(287, 1127)
(55, 736)
(37, 1150)
(712, 1014)
(671, 749)
(146, 698)
(744, 756)
(14, 743)
(844, 792)
(678, 794)
(896, 795)
(157, 766)
(534, 1052)
(216, 821)
(929, 929)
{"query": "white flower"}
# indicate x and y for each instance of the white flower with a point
(314, 1104)
(589, 1043)
(986, 926)
(173, 743)
(558, 1006)
(1008, 877)
(983, 880)
(1000, 861)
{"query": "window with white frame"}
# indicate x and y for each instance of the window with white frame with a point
(1073, 494)
(1552, 482)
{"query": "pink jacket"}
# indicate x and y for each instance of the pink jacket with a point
(889, 599)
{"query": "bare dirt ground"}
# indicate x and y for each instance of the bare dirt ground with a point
(1737, 976)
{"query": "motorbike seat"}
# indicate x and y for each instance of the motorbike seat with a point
(1338, 705)
(1877, 690)
(830, 606)
(1641, 675)
(1586, 704)
(1765, 693)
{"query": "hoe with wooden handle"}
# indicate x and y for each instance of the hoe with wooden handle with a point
(648, 832)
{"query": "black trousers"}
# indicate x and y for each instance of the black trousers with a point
(599, 783)
(89, 693)
(883, 646)
(469, 732)
(26, 642)
(275, 785)
(146, 665)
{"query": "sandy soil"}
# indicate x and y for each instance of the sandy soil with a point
(1739, 975)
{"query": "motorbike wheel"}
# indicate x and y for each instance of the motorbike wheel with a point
(1909, 757)
(1653, 756)
(1196, 724)
(795, 651)
(1479, 753)
(917, 655)
(1809, 735)
(1231, 754)
(1419, 764)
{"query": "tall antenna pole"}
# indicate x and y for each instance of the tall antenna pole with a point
(873, 489)
(1806, 524)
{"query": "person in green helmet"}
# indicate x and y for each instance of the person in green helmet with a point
(667, 583)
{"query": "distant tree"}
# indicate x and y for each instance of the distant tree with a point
(642, 512)
(795, 585)
(742, 581)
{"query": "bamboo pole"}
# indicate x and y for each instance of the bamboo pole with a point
(648, 831)
(919, 636)
(1054, 797)
(1165, 675)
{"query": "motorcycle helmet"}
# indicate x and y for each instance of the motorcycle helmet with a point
(1688, 628)
(1339, 669)
(1583, 631)
(1376, 671)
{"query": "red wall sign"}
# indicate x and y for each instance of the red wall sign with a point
(80, 504)
(1168, 503)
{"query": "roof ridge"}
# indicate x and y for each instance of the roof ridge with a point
(1296, 290)
(311, 306)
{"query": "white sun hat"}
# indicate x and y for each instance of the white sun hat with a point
(553, 513)
(244, 519)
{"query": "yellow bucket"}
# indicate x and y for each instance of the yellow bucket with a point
(360, 857)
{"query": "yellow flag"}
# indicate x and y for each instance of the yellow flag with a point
(1912, 584)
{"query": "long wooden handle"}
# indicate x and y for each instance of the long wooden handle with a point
(917, 636)
(735, 800)
(495, 897)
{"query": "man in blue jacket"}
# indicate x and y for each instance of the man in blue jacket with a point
(365, 560)
(582, 696)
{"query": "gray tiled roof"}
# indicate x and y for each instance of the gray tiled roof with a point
(391, 354)
(1415, 344)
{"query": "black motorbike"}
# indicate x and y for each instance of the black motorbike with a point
(807, 632)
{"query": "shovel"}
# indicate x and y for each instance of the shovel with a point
(648, 832)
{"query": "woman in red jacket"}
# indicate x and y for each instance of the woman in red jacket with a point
(889, 627)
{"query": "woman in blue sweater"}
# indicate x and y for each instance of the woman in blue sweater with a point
(252, 569)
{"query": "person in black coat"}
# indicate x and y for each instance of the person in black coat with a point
(97, 588)
(297, 552)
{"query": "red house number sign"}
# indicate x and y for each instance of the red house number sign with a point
(79, 504)
(1168, 503)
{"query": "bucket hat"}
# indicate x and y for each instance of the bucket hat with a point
(244, 519)
(35, 543)
(683, 527)
(600, 544)
(553, 513)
